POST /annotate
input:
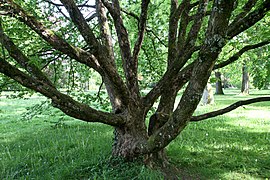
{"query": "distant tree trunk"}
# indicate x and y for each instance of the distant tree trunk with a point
(245, 80)
(208, 96)
(219, 89)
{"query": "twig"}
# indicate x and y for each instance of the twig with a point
(99, 90)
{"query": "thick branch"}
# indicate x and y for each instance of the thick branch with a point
(105, 32)
(65, 103)
(239, 53)
(228, 109)
(108, 56)
(249, 20)
(175, 13)
(183, 28)
(122, 34)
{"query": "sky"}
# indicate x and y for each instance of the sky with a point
(90, 2)
(86, 13)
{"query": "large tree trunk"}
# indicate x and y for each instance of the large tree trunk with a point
(125, 141)
(129, 136)
(219, 89)
(128, 140)
(245, 80)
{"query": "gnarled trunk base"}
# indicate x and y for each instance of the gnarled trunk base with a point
(157, 160)
(126, 142)
(126, 147)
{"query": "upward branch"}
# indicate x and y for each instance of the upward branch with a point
(106, 37)
(175, 13)
(142, 26)
(129, 65)
(215, 40)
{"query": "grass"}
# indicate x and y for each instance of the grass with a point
(53, 146)
(231, 146)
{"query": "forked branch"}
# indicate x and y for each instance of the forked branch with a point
(81, 23)
(129, 65)
(202, 70)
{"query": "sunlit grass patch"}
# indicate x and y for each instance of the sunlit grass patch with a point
(230, 146)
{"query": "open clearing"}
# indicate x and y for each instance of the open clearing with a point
(50, 145)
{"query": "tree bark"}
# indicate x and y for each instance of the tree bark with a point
(219, 89)
(245, 80)
(126, 140)
(129, 137)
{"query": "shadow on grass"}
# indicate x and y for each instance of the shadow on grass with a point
(222, 151)
(222, 148)
(48, 152)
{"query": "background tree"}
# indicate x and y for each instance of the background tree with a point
(219, 85)
(254, 59)
(245, 80)
(197, 32)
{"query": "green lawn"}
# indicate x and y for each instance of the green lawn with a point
(54, 146)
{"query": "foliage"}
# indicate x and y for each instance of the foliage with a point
(256, 60)
(45, 107)
(260, 70)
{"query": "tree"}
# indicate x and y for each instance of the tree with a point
(260, 69)
(245, 80)
(197, 33)
(219, 89)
